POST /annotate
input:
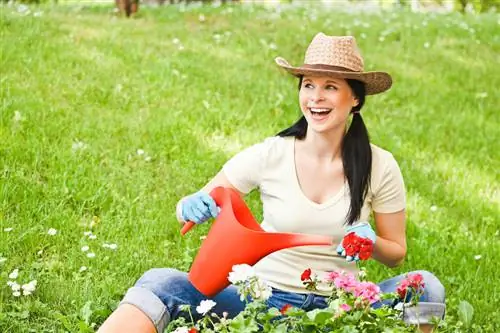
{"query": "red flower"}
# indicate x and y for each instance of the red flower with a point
(306, 275)
(285, 308)
(193, 330)
(413, 281)
(353, 244)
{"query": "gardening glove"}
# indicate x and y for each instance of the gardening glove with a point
(362, 229)
(198, 208)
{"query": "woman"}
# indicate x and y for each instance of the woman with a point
(320, 176)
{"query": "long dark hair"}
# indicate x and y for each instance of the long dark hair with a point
(356, 151)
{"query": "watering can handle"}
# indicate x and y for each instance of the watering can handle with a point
(186, 227)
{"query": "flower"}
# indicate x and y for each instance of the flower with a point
(8, 229)
(90, 255)
(193, 330)
(14, 285)
(82, 269)
(345, 307)
(16, 293)
(345, 281)
(241, 273)
(205, 306)
(14, 274)
(477, 257)
(85, 248)
(285, 308)
(368, 291)
(331, 276)
(306, 275)
(260, 290)
(52, 232)
(29, 288)
(355, 245)
(413, 281)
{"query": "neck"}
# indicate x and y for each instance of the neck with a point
(325, 147)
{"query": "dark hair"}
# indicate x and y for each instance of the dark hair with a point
(356, 151)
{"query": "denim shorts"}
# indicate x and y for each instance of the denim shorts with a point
(160, 292)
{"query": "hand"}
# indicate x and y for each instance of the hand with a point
(362, 229)
(198, 208)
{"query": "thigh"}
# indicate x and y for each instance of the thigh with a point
(174, 289)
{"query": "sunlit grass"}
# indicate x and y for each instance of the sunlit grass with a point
(105, 123)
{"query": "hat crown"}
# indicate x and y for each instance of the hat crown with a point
(334, 51)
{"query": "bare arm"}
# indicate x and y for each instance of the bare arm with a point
(220, 179)
(390, 247)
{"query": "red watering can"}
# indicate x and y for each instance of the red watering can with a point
(236, 238)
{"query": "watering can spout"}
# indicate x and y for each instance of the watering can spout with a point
(234, 238)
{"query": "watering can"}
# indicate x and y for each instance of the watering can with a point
(234, 238)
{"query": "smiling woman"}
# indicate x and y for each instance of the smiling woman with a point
(319, 176)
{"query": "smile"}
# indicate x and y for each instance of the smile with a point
(319, 111)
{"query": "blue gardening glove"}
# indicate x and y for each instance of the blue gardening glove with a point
(362, 229)
(198, 207)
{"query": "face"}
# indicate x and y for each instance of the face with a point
(326, 102)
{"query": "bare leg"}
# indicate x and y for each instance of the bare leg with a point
(127, 319)
(426, 328)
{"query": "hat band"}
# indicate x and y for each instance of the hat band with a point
(328, 67)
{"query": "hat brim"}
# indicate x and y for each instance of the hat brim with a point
(375, 82)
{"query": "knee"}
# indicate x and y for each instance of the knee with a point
(433, 288)
(158, 280)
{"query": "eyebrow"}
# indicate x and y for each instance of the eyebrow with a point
(327, 81)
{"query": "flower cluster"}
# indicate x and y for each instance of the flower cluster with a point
(355, 245)
(349, 305)
(27, 288)
(413, 284)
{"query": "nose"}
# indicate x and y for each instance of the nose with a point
(316, 96)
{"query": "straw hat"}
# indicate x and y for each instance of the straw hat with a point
(338, 57)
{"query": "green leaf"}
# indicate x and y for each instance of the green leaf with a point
(86, 312)
(465, 313)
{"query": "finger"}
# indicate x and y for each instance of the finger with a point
(199, 217)
(210, 203)
(340, 248)
(343, 253)
(349, 258)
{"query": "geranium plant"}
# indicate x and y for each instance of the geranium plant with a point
(349, 307)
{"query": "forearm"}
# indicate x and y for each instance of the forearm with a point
(388, 252)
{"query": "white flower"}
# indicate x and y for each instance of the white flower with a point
(87, 233)
(85, 248)
(52, 232)
(78, 145)
(176, 41)
(201, 18)
(181, 330)
(16, 294)
(14, 286)
(477, 257)
(14, 274)
(205, 306)
(147, 158)
(140, 152)
(8, 229)
(92, 237)
(241, 273)
(29, 287)
(17, 116)
(83, 269)
(90, 255)
(427, 45)
(110, 246)
(433, 208)
(261, 290)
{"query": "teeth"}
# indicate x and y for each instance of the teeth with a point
(320, 110)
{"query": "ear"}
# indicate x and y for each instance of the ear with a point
(355, 102)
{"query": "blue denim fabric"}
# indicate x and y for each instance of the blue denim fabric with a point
(160, 292)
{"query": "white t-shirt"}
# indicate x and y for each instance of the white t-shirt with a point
(270, 167)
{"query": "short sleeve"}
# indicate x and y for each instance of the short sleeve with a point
(244, 170)
(390, 197)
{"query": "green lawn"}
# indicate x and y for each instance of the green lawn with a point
(84, 93)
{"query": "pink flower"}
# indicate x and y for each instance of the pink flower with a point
(345, 307)
(413, 282)
(368, 291)
(345, 281)
(331, 276)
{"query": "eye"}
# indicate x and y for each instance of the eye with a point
(307, 85)
(331, 87)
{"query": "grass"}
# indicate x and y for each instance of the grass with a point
(82, 91)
